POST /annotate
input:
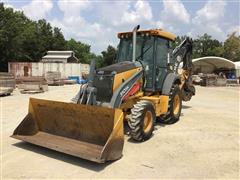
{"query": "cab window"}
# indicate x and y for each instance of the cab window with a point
(162, 52)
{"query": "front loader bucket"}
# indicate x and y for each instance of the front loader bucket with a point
(89, 132)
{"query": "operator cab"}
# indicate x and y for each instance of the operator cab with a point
(153, 50)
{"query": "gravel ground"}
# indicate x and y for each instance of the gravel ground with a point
(203, 144)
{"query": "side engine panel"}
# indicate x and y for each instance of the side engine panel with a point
(107, 80)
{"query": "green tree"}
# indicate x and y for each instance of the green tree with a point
(232, 47)
(45, 34)
(218, 51)
(22, 39)
(206, 46)
(12, 24)
(178, 41)
(108, 56)
(58, 40)
(99, 60)
(82, 51)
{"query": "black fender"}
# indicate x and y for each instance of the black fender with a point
(169, 81)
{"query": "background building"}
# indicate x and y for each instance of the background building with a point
(237, 67)
(63, 62)
(214, 65)
(60, 57)
(19, 69)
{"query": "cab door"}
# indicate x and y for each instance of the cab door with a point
(161, 61)
(145, 53)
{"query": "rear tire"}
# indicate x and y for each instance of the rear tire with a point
(174, 106)
(142, 120)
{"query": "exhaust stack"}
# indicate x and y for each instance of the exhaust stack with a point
(135, 29)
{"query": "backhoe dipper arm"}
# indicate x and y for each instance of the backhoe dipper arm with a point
(183, 53)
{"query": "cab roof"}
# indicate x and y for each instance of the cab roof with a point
(153, 32)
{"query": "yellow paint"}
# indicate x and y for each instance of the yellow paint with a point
(121, 77)
(147, 122)
(130, 102)
(90, 132)
(152, 32)
(176, 105)
(160, 103)
(164, 104)
(184, 77)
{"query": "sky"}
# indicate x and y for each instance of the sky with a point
(98, 22)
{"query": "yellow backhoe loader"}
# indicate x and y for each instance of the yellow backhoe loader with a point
(141, 87)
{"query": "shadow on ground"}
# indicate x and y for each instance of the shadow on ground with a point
(63, 157)
(186, 107)
(5, 95)
(130, 140)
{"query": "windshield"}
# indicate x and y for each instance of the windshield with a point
(144, 45)
(144, 53)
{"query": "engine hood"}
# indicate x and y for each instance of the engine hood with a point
(118, 68)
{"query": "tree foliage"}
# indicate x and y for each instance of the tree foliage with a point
(205, 45)
(22, 39)
(231, 48)
(108, 56)
(82, 51)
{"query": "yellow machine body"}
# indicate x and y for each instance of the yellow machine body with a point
(92, 127)
(90, 132)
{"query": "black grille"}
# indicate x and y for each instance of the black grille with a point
(104, 85)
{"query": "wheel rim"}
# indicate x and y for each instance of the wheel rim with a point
(176, 105)
(147, 123)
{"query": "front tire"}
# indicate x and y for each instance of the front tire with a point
(174, 106)
(142, 120)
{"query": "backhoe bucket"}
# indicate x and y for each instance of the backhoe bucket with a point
(89, 132)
